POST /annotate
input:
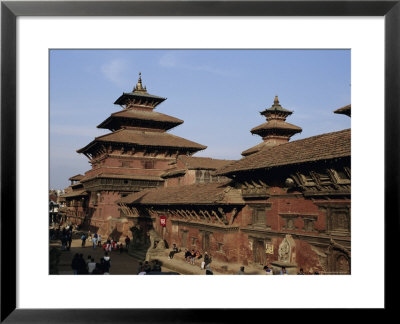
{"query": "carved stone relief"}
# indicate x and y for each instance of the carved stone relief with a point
(287, 250)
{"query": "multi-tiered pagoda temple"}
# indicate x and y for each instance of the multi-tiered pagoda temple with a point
(132, 157)
(276, 130)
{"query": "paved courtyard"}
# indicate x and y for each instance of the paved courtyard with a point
(124, 264)
(121, 264)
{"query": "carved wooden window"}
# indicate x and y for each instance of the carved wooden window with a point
(207, 176)
(125, 164)
(220, 246)
(338, 220)
(199, 175)
(309, 224)
(259, 215)
(149, 164)
(289, 220)
(194, 241)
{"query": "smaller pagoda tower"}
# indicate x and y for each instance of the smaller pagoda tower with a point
(276, 130)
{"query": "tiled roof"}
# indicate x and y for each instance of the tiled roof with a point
(173, 172)
(321, 147)
(346, 110)
(195, 194)
(255, 149)
(121, 176)
(194, 162)
(144, 138)
(276, 124)
(76, 177)
(75, 193)
(136, 94)
(134, 114)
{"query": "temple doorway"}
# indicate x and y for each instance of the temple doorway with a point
(259, 252)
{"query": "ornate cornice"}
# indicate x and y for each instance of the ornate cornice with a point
(206, 226)
(322, 240)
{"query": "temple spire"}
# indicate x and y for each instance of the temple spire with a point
(139, 86)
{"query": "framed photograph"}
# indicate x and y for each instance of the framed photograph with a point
(53, 54)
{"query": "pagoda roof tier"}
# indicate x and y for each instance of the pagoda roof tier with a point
(139, 95)
(195, 194)
(140, 118)
(75, 193)
(121, 176)
(276, 125)
(136, 95)
(77, 177)
(276, 108)
(316, 148)
(136, 138)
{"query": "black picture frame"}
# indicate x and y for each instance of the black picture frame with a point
(10, 10)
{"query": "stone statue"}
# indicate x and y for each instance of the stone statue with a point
(283, 253)
(137, 236)
(156, 241)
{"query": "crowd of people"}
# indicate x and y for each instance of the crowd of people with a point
(193, 257)
(108, 246)
(80, 266)
(146, 267)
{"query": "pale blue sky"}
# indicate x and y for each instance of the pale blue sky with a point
(218, 94)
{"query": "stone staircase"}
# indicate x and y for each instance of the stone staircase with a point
(139, 255)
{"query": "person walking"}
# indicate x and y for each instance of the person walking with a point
(91, 266)
(99, 240)
(69, 240)
(283, 271)
(83, 238)
(192, 257)
(241, 271)
(127, 242)
(106, 263)
(94, 241)
(207, 259)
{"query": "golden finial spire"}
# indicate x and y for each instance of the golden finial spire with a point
(139, 86)
(276, 100)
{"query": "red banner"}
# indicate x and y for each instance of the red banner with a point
(163, 221)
